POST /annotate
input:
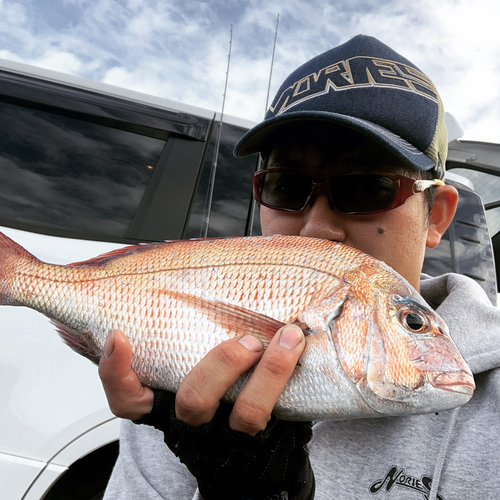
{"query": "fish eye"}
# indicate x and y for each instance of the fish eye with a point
(414, 321)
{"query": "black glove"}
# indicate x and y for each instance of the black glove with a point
(273, 465)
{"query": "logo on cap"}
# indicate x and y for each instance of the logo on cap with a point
(356, 72)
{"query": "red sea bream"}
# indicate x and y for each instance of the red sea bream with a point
(373, 346)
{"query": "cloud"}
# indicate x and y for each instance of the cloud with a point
(178, 49)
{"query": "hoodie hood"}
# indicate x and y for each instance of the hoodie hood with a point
(469, 314)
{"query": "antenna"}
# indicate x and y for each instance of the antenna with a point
(259, 161)
(205, 221)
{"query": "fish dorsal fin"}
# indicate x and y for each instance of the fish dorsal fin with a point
(231, 317)
(107, 257)
(104, 258)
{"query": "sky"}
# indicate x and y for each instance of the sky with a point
(178, 49)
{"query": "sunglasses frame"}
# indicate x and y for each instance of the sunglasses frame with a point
(405, 187)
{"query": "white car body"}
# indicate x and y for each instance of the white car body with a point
(54, 410)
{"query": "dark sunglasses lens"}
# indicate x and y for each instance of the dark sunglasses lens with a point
(288, 190)
(363, 193)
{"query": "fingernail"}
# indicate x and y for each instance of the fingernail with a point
(251, 343)
(290, 337)
(109, 345)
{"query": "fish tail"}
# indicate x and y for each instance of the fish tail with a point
(12, 257)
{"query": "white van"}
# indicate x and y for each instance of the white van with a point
(85, 168)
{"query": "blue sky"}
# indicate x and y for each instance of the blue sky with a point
(178, 48)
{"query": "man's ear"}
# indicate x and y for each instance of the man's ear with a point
(443, 210)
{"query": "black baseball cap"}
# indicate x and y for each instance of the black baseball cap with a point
(365, 85)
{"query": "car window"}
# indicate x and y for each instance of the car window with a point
(66, 173)
(466, 246)
(488, 186)
(232, 194)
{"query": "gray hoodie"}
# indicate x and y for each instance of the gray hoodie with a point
(451, 455)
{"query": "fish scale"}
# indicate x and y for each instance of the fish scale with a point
(177, 300)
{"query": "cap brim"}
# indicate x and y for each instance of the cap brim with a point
(260, 137)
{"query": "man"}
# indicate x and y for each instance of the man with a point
(340, 130)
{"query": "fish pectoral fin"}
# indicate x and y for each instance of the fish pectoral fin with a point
(231, 317)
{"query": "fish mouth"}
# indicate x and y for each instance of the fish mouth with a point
(461, 383)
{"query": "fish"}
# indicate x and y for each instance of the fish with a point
(374, 348)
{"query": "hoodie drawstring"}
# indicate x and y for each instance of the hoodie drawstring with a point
(443, 450)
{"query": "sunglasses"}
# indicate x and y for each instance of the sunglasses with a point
(353, 193)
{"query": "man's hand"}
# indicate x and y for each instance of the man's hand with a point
(234, 451)
(127, 397)
(199, 394)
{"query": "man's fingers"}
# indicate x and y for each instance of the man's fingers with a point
(127, 398)
(200, 392)
(254, 405)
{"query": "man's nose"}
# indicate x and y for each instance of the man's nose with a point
(321, 221)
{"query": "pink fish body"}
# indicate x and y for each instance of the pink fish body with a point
(373, 346)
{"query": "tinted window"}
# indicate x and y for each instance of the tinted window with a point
(65, 173)
(488, 186)
(465, 247)
(232, 193)
(439, 260)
